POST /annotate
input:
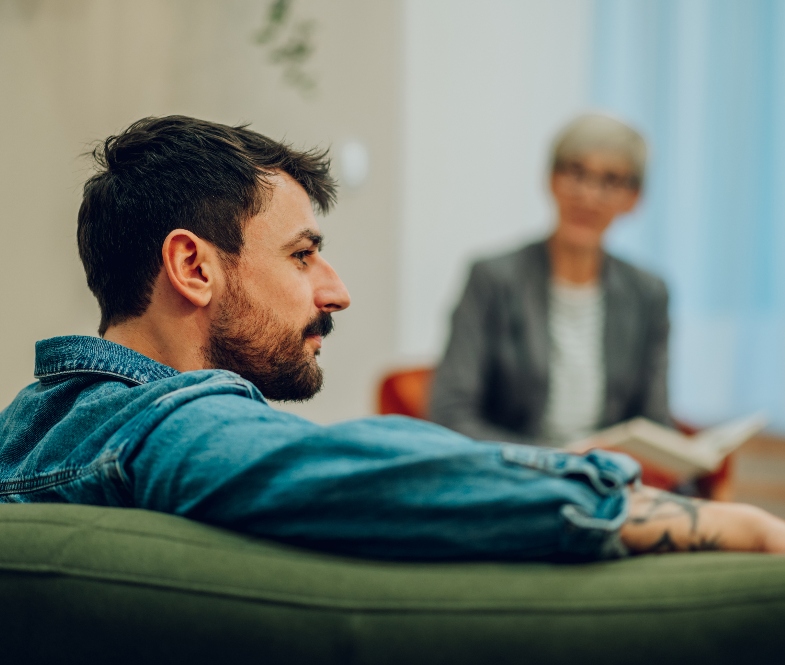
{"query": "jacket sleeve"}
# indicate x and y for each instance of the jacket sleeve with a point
(459, 383)
(654, 402)
(386, 487)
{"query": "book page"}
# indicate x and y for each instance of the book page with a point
(672, 451)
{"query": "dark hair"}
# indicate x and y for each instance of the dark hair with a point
(161, 174)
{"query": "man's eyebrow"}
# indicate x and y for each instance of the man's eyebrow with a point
(307, 234)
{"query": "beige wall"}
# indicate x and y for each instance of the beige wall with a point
(486, 86)
(72, 71)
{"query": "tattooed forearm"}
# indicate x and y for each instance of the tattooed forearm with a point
(663, 522)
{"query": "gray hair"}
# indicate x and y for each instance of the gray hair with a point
(596, 132)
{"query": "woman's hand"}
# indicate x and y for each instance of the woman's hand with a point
(585, 445)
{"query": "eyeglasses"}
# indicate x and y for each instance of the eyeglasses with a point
(606, 182)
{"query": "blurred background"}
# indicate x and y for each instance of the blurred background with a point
(439, 114)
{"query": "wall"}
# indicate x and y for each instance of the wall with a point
(73, 71)
(486, 86)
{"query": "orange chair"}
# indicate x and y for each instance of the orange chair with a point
(406, 392)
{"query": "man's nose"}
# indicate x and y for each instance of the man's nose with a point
(331, 294)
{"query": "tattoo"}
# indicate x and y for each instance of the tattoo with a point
(675, 506)
(664, 544)
(650, 506)
(706, 545)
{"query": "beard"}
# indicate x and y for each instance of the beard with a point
(256, 344)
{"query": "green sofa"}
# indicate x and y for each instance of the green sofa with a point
(86, 584)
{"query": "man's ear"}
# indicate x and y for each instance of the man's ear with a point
(192, 265)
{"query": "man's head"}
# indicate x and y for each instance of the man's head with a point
(207, 232)
(597, 168)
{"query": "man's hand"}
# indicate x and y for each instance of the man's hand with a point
(663, 522)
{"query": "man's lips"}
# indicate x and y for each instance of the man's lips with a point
(316, 339)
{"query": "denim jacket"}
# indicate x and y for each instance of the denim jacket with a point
(105, 425)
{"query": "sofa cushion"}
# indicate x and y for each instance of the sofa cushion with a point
(90, 584)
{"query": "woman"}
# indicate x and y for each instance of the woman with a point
(558, 339)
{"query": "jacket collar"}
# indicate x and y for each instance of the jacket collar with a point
(64, 357)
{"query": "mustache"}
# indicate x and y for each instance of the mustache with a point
(321, 325)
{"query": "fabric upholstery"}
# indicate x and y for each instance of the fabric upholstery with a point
(89, 584)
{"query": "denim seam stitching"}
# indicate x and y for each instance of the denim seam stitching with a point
(64, 372)
(53, 479)
(41, 482)
(131, 436)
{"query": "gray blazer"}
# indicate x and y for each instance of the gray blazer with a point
(492, 383)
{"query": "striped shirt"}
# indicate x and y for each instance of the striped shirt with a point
(576, 393)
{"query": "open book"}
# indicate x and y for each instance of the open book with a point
(679, 455)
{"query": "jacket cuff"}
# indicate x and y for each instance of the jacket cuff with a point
(590, 528)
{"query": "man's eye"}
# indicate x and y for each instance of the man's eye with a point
(304, 254)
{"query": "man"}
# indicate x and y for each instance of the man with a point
(200, 243)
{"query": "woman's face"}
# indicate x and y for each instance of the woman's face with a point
(590, 192)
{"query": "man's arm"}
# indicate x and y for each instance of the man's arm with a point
(392, 488)
(396, 488)
(659, 521)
